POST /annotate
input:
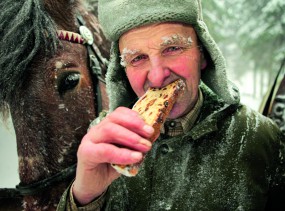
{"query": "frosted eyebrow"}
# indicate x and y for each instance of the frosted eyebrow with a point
(125, 54)
(176, 39)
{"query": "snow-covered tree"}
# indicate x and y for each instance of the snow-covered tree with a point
(250, 33)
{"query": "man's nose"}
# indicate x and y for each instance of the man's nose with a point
(158, 72)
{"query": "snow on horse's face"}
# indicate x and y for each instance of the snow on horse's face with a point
(57, 99)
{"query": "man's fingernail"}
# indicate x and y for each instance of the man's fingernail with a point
(145, 142)
(148, 129)
(136, 155)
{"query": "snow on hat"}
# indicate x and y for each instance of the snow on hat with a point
(119, 16)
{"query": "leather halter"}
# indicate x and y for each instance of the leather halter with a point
(96, 60)
(96, 63)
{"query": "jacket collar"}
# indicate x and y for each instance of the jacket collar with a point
(214, 110)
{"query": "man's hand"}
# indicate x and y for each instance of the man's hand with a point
(121, 138)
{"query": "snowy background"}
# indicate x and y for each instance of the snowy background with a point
(8, 157)
(251, 37)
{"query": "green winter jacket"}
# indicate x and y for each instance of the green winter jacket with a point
(232, 159)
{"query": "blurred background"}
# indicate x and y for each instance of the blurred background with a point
(8, 156)
(251, 37)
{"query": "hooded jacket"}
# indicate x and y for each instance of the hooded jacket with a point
(232, 159)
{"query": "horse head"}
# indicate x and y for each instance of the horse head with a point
(49, 74)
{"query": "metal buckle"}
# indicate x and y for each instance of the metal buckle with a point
(86, 34)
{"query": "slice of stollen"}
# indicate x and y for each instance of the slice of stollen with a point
(154, 107)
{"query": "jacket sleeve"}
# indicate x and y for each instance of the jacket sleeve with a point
(67, 202)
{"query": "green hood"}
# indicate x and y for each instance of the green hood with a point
(119, 16)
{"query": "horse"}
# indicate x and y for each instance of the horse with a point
(53, 60)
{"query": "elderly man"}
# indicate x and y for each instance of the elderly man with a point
(213, 153)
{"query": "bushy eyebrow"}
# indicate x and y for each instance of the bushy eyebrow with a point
(176, 39)
(125, 53)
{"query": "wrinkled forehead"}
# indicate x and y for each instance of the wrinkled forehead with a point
(157, 35)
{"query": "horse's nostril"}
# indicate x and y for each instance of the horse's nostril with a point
(68, 81)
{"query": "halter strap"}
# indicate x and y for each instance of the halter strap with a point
(96, 60)
(37, 187)
(85, 36)
(69, 36)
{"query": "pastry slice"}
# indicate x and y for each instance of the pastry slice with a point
(154, 107)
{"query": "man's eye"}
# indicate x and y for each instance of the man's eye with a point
(138, 60)
(172, 50)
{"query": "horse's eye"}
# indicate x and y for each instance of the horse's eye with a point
(67, 82)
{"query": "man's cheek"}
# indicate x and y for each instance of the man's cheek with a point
(181, 65)
(137, 82)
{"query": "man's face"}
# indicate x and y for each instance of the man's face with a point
(158, 54)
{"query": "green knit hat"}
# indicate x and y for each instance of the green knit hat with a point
(119, 16)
